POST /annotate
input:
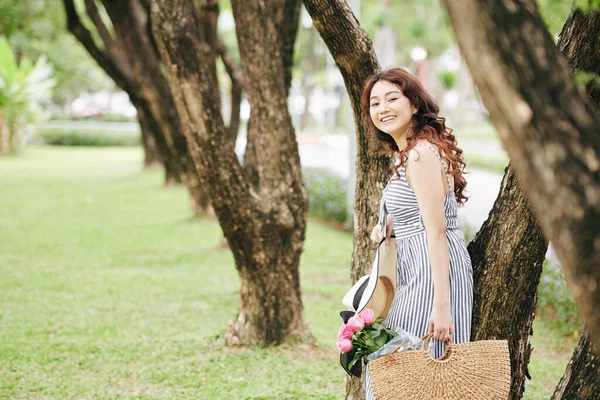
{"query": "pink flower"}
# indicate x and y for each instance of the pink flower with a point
(367, 316)
(345, 332)
(344, 345)
(356, 323)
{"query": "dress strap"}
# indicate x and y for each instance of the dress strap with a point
(442, 161)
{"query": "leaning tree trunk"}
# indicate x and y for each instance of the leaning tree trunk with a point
(264, 226)
(579, 43)
(510, 237)
(355, 57)
(151, 154)
(582, 377)
(549, 129)
(130, 59)
(507, 255)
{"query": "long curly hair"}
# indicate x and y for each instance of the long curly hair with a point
(427, 125)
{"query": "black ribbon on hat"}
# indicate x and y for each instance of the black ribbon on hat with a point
(346, 358)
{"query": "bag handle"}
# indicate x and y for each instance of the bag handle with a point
(428, 336)
(446, 354)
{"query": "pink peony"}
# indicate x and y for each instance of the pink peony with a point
(344, 345)
(367, 316)
(356, 323)
(345, 332)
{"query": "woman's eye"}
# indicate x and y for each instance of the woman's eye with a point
(393, 99)
(374, 104)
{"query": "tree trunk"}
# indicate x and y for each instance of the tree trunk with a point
(353, 53)
(549, 129)
(130, 59)
(264, 227)
(579, 43)
(130, 25)
(510, 236)
(582, 376)
(507, 255)
(151, 154)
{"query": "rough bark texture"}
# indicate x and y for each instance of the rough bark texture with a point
(579, 43)
(264, 227)
(355, 57)
(130, 59)
(507, 256)
(548, 127)
(582, 377)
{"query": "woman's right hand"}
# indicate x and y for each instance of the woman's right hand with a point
(377, 235)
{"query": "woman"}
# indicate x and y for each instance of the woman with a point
(419, 205)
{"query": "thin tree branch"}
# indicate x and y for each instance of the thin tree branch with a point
(120, 75)
(103, 32)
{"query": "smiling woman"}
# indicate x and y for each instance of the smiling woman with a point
(419, 206)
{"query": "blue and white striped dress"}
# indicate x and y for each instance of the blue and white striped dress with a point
(413, 302)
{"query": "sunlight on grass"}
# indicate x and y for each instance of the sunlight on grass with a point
(111, 289)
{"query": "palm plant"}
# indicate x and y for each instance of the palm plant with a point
(23, 86)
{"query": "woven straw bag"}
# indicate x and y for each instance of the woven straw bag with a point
(477, 370)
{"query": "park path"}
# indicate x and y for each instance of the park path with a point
(331, 152)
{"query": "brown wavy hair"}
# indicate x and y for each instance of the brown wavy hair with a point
(427, 125)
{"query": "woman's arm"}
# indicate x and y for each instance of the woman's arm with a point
(423, 170)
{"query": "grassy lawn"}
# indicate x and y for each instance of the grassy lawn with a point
(110, 289)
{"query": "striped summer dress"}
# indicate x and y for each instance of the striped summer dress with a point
(413, 302)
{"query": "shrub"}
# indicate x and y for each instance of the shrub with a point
(326, 194)
(88, 137)
(555, 304)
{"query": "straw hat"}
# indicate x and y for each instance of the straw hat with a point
(377, 290)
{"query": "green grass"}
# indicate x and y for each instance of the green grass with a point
(110, 289)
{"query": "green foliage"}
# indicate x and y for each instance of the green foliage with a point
(88, 137)
(586, 79)
(422, 23)
(554, 301)
(587, 6)
(448, 79)
(38, 27)
(326, 194)
(555, 13)
(23, 86)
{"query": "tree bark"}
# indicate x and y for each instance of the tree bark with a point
(355, 57)
(547, 126)
(510, 237)
(264, 227)
(582, 376)
(507, 255)
(130, 59)
(578, 41)
(151, 154)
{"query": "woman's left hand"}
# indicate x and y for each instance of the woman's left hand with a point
(440, 322)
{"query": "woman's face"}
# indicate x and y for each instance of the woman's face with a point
(390, 110)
